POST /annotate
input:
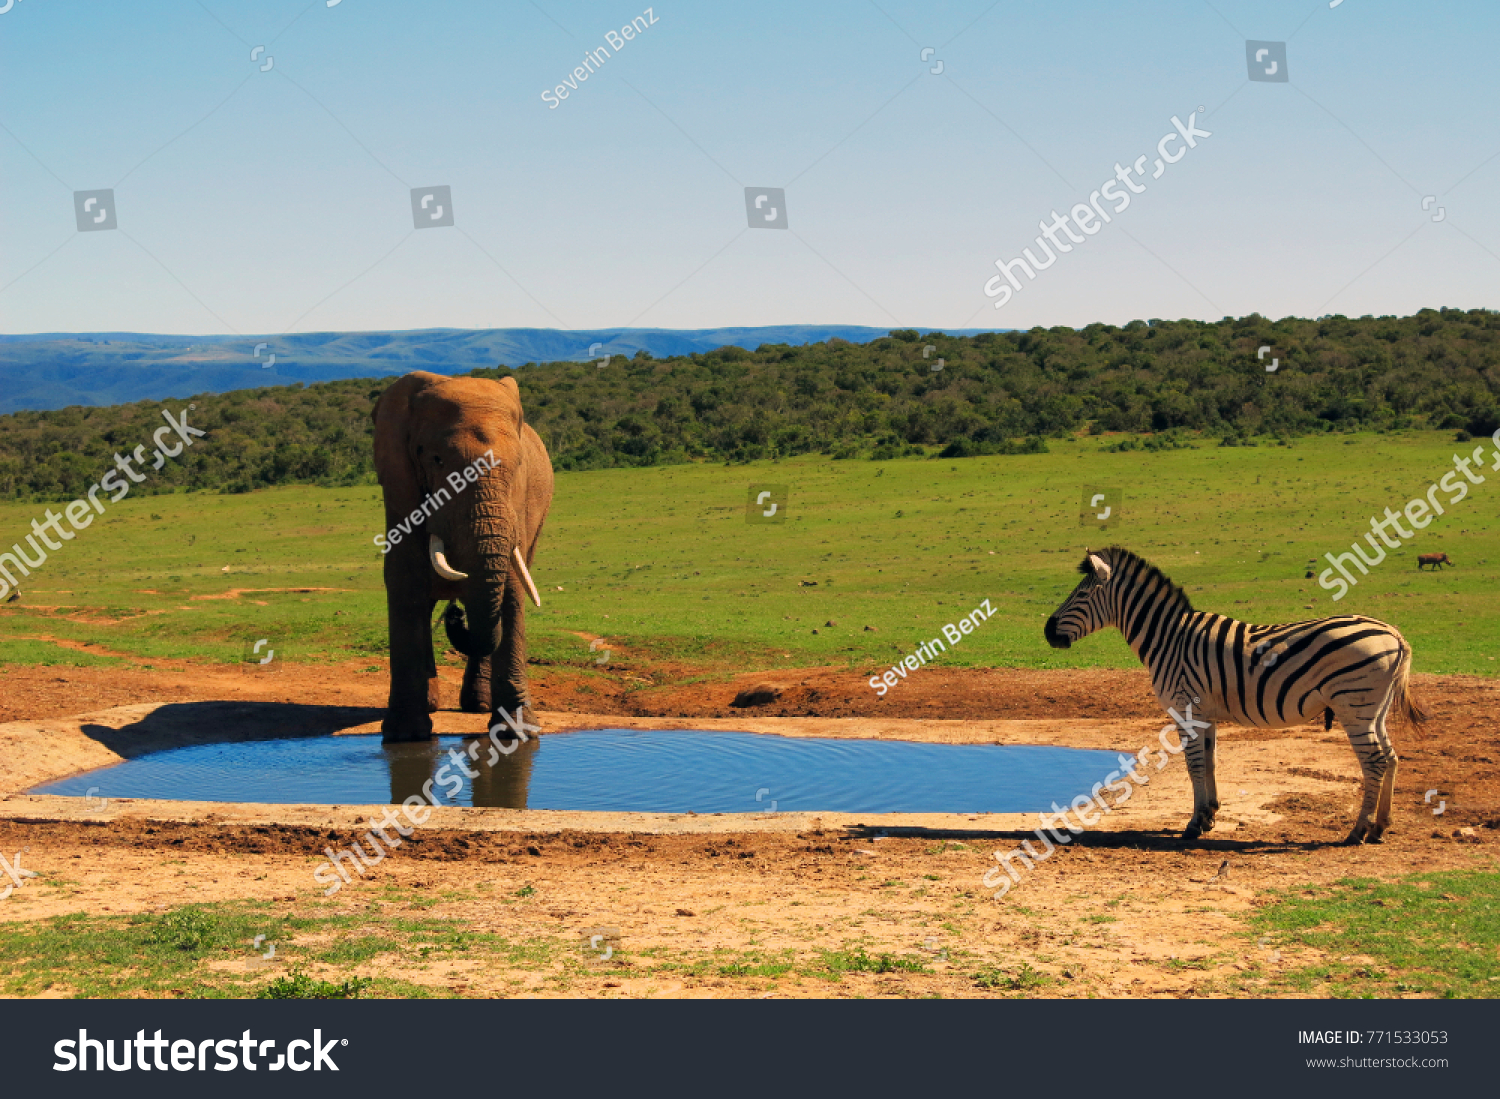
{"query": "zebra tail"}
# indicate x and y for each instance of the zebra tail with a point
(1414, 713)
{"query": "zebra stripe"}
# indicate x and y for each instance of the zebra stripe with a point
(1349, 667)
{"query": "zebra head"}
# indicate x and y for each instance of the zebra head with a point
(1087, 609)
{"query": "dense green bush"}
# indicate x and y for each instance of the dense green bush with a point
(996, 393)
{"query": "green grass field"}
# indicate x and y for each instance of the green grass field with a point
(663, 561)
(1426, 935)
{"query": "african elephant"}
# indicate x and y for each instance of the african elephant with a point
(467, 486)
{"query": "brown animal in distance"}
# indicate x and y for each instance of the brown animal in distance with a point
(1436, 560)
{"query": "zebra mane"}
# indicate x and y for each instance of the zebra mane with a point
(1144, 570)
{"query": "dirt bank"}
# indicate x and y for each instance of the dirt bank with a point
(1124, 910)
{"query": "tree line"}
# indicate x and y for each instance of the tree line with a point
(901, 394)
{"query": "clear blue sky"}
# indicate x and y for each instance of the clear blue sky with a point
(279, 200)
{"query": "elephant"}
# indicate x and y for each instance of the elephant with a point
(467, 486)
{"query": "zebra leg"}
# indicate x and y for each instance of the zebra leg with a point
(1199, 753)
(1210, 785)
(1383, 807)
(1388, 781)
(1377, 759)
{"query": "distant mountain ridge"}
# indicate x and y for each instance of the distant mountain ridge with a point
(48, 371)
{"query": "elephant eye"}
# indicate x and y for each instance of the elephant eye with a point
(437, 460)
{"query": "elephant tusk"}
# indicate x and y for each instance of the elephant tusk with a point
(526, 576)
(440, 562)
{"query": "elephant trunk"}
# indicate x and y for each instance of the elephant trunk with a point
(457, 630)
(494, 543)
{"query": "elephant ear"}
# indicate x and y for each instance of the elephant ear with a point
(393, 466)
(513, 394)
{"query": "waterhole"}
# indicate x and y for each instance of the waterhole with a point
(622, 770)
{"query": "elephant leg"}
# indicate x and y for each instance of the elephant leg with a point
(476, 694)
(413, 671)
(508, 687)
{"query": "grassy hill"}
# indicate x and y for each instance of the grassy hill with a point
(994, 393)
(662, 562)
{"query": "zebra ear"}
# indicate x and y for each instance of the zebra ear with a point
(1100, 567)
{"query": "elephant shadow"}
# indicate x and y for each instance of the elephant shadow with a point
(185, 724)
(413, 766)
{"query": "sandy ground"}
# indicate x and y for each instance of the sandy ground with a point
(1123, 910)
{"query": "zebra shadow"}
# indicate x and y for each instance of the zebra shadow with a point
(1121, 840)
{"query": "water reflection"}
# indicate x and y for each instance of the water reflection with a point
(501, 784)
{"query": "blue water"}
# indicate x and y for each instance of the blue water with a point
(659, 771)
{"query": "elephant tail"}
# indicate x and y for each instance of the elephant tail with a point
(457, 629)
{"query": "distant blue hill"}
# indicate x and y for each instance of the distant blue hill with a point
(55, 370)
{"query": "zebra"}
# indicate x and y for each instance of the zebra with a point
(1271, 677)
